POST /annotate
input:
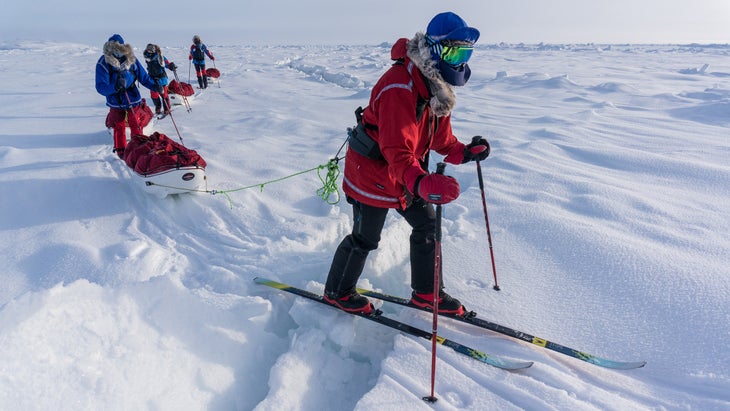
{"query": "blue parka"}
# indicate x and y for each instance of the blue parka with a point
(110, 67)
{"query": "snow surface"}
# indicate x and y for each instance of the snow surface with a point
(607, 193)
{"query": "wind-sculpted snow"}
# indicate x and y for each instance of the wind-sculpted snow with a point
(322, 73)
(607, 194)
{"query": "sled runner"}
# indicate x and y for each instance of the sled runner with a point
(162, 166)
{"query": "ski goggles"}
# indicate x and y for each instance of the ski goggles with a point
(456, 54)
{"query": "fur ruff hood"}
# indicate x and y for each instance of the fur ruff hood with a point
(443, 97)
(110, 47)
(154, 50)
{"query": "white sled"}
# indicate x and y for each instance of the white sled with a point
(173, 181)
(177, 99)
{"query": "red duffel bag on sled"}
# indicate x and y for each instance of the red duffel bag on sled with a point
(181, 88)
(165, 166)
(143, 112)
(212, 72)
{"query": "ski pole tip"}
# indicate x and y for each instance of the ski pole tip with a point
(496, 287)
(430, 399)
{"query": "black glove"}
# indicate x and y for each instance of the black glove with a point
(172, 66)
(477, 150)
(121, 83)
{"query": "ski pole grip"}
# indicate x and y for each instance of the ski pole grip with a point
(475, 139)
(440, 168)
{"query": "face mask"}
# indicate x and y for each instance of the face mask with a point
(454, 75)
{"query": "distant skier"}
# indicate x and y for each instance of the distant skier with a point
(156, 64)
(117, 73)
(387, 160)
(198, 51)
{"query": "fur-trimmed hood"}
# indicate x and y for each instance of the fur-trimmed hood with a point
(111, 47)
(153, 50)
(443, 98)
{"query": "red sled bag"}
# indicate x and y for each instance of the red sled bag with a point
(144, 114)
(156, 153)
(212, 72)
(143, 111)
(181, 88)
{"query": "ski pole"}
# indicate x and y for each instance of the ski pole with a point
(486, 219)
(169, 112)
(131, 117)
(218, 80)
(440, 167)
(184, 98)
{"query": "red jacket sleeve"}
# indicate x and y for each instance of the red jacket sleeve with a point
(445, 143)
(399, 135)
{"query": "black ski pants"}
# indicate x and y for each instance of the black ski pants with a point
(202, 75)
(349, 260)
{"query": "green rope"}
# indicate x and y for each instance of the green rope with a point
(329, 182)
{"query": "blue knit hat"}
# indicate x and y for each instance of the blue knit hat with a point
(449, 26)
(117, 38)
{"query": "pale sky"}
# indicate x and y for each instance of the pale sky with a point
(296, 22)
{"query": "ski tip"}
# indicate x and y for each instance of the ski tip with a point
(630, 365)
(617, 365)
(519, 365)
(261, 280)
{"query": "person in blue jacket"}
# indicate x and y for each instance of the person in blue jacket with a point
(156, 64)
(117, 73)
(198, 51)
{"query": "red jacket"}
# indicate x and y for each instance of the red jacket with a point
(404, 141)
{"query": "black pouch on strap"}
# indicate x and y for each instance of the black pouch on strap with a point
(361, 142)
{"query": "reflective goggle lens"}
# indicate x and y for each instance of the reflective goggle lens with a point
(456, 55)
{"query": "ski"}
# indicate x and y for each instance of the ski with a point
(161, 116)
(472, 318)
(378, 317)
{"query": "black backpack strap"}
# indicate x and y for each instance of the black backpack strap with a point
(358, 117)
(421, 107)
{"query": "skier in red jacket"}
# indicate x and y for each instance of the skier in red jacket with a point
(409, 114)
